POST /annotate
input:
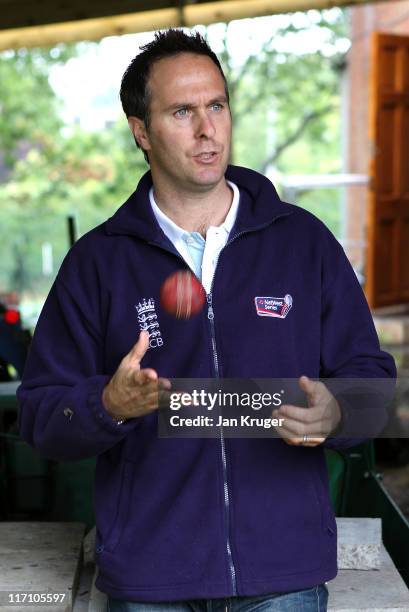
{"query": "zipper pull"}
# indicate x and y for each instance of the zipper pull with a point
(210, 313)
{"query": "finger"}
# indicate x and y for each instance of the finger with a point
(314, 441)
(164, 399)
(140, 347)
(295, 413)
(289, 437)
(307, 384)
(297, 429)
(155, 400)
(146, 377)
(284, 430)
(164, 383)
(300, 442)
(310, 387)
(154, 392)
(148, 380)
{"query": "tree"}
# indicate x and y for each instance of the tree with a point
(85, 174)
(29, 108)
(48, 173)
(280, 96)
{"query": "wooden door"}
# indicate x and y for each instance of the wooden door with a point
(387, 264)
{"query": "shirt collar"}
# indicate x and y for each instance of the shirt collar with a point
(175, 232)
(169, 228)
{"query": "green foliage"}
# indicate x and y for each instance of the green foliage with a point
(29, 109)
(51, 174)
(85, 174)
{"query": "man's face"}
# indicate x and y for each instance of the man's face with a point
(188, 139)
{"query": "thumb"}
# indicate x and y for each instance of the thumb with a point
(309, 387)
(139, 348)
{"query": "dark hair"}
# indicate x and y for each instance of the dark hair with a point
(134, 93)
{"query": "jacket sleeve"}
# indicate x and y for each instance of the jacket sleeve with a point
(60, 399)
(350, 351)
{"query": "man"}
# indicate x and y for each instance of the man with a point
(200, 524)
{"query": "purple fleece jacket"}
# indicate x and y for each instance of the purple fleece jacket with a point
(201, 518)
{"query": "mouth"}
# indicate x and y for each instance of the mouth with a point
(207, 157)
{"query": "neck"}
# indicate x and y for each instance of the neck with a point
(195, 212)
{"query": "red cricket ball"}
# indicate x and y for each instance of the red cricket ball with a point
(182, 295)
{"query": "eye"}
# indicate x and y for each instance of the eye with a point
(181, 112)
(217, 106)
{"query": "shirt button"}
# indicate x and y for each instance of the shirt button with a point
(68, 413)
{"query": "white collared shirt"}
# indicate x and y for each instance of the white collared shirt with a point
(201, 255)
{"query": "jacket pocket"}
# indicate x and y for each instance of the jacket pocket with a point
(328, 523)
(113, 536)
(280, 531)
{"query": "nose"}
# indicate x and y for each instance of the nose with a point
(205, 126)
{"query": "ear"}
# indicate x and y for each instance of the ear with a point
(138, 129)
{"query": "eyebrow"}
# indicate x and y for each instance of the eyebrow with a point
(217, 99)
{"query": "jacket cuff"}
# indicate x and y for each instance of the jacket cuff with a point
(345, 434)
(99, 412)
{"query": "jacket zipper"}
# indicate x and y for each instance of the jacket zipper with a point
(210, 316)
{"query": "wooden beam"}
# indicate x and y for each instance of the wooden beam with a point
(146, 21)
(30, 13)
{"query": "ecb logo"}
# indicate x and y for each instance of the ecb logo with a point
(148, 321)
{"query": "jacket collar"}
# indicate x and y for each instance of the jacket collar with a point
(259, 206)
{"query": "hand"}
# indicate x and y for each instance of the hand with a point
(133, 392)
(317, 421)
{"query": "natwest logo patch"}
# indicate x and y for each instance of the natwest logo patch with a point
(273, 306)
